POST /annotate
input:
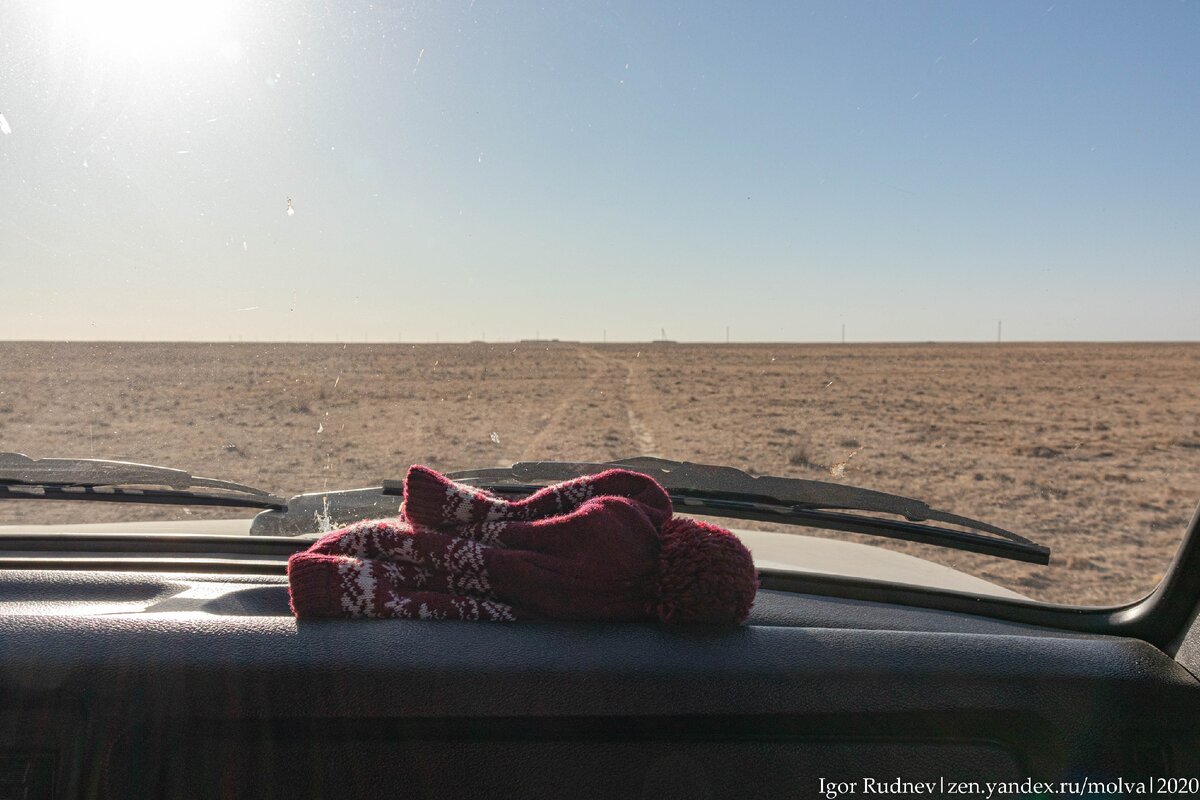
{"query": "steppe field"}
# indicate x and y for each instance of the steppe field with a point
(1091, 449)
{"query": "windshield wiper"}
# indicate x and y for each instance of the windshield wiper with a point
(97, 480)
(728, 492)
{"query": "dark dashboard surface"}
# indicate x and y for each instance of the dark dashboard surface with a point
(106, 678)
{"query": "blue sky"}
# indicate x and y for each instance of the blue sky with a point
(467, 170)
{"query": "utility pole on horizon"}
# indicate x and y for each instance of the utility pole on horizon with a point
(843, 333)
(726, 334)
(998, 324)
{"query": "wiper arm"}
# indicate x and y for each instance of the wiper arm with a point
(25, 478)
(728, 492)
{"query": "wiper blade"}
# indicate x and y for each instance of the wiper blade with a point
(321, 512)
(25, 478)
(17, 468)
(728, 492)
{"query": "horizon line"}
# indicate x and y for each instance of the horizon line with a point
(607, 342)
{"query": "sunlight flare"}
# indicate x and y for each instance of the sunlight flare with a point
(146, 28)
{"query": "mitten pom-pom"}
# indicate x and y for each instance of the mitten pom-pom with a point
(706, 575)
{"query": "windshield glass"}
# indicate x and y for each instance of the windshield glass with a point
(946, 251)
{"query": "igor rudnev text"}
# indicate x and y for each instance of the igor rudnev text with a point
(943, 787)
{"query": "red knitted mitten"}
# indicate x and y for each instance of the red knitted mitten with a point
(598, 562)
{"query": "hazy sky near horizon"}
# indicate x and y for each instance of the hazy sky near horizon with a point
(503, 170)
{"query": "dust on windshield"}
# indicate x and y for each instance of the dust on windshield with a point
(944, 252)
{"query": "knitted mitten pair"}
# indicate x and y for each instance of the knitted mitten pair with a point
(602, 547)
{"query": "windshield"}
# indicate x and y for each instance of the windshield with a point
(945, 251)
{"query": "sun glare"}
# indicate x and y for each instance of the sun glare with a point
(146, 28)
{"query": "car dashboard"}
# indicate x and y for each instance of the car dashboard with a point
(128, 683)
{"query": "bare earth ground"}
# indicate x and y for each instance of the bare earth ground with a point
(1093, 450)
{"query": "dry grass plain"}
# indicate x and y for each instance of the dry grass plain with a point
(1091, 449)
